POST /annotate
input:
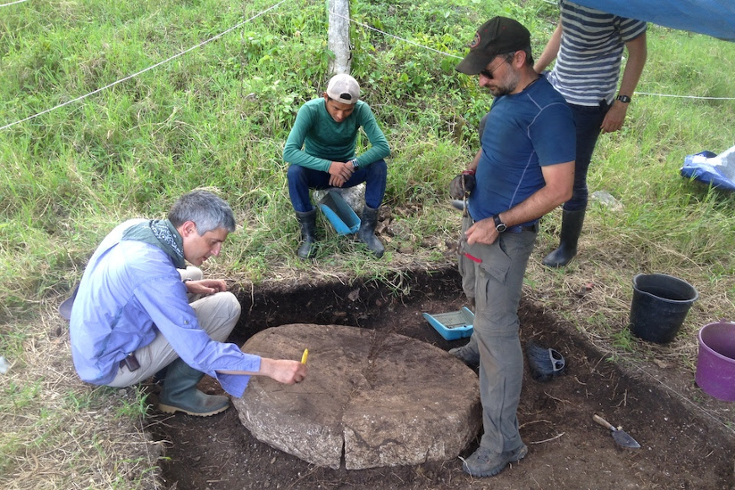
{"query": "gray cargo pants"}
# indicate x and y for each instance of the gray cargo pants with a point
(496, 284)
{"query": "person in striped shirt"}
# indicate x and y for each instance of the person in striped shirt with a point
(588, 47)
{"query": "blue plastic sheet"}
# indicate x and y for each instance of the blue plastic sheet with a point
(716, 170)
(714, 18)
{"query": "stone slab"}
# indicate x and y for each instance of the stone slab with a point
(381, 399)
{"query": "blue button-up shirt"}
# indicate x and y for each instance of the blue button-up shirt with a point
(130, 291)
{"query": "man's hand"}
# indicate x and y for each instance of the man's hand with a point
(482, 231)
(615, 117)
(339, 173)
(462, 185)
(283, 370)
(205, 287)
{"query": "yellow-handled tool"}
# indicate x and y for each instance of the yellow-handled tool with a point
(305, 356)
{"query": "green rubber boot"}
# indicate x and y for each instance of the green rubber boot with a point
(180, 394)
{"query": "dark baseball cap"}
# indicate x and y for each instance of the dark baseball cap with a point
(498, 35)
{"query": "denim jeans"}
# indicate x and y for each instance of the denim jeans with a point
(301, 179)
(588, 120)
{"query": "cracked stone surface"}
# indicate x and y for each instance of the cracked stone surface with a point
(372, 398)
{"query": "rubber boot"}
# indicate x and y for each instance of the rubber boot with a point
(571, 228)
(307, 221)
(180, 394)
(366, 234)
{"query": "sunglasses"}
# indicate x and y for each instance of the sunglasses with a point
(488, 73)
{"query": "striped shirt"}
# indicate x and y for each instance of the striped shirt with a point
(588, 62)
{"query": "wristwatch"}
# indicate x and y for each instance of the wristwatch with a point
(499, 225)
(353, 162)
(623, 98)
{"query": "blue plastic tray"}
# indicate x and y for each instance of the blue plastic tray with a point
(452, 325)
(339, 213)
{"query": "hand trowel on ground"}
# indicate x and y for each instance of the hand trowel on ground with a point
(619, 435)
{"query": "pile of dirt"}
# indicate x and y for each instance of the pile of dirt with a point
(681, 446)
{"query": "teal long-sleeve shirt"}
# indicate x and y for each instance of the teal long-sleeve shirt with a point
(316, 140)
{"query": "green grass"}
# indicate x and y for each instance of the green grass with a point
(218, 117)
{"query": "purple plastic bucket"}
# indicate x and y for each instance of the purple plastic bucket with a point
(716, 360)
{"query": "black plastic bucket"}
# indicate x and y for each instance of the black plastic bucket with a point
(660, 304)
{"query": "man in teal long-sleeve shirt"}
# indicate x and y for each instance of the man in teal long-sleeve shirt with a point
(321, 151)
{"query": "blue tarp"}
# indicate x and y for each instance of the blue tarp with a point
(717, 170)
(714, 18)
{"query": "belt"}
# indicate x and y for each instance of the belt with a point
(520, 229)
(516, 228)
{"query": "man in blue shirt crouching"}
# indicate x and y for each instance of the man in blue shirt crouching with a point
(131, 316)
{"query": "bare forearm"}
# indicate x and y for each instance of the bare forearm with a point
(558, 189)
(637, 54)
(537, 205)
(550, 51)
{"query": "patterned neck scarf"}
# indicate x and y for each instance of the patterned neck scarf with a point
(162, 234)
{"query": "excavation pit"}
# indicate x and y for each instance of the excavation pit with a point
(683, 444)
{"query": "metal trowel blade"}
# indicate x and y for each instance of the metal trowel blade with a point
(623, 439)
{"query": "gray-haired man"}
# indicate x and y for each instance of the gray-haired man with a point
(131, 316)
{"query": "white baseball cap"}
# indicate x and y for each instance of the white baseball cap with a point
(343, 88)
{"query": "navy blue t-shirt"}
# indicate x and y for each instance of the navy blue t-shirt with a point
(524, 132)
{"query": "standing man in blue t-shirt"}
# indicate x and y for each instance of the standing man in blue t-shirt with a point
(588, 46)
(523, 170)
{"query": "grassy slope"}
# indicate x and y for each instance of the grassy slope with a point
(218, 117)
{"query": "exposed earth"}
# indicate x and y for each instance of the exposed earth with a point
(683, 446)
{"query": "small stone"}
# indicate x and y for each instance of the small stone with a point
(606, 199)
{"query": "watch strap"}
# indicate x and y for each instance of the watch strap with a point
(623, 98)
(499, 225)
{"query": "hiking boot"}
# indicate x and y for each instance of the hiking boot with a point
(468, 354)
(484, 462)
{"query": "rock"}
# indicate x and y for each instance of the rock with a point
(606, 199)
(385, 399)
(354, 196)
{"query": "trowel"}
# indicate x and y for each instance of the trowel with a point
(619, 435)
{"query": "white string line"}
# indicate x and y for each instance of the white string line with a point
(686, 96)
(12, 3)
(460, 57)
(145, 69)
(254, 17)
(397, 37)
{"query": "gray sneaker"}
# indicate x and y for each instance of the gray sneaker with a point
(468, 354)
(483, 462)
